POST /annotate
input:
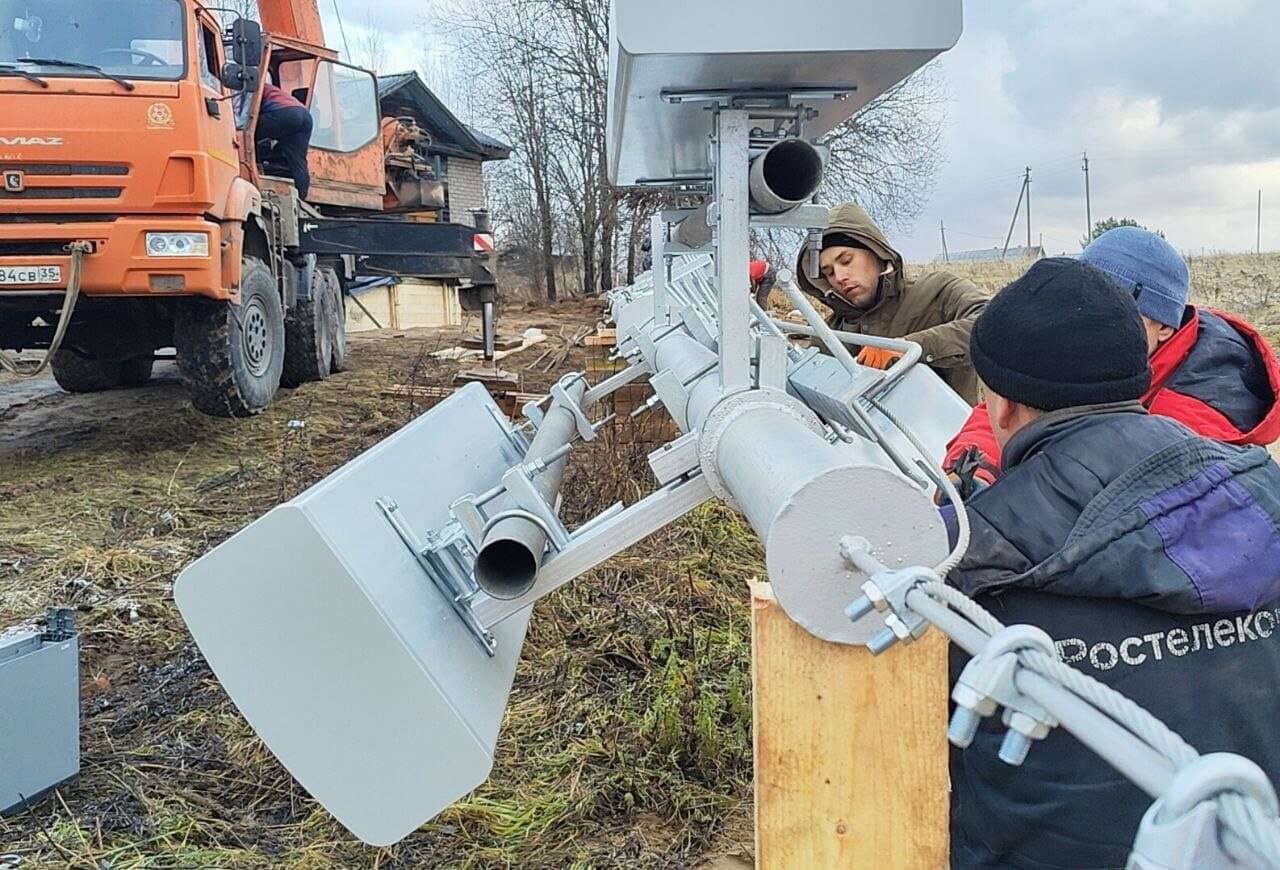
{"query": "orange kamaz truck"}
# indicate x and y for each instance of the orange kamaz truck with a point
(138, 213)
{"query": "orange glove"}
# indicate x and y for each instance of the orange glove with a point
(877, 358)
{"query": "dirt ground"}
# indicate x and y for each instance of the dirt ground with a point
(628, 740)
(627, 743)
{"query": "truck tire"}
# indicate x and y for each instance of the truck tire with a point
(230, 356)
(337, 325)
(136, 372)
(308, 346)
(76, 374)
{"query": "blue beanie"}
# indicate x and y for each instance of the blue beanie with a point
(1148, 267)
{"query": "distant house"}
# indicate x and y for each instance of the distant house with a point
(458, 151)
(986, 255)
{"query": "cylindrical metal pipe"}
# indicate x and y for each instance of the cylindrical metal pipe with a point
(490, 336)
(800, 493)
(788, 174)
(512, 551)
(694, 231)
(785, 176)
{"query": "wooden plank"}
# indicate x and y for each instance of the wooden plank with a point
(427, 304)
(456, 353)
(850, 750)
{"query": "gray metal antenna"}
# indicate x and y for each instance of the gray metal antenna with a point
(369, 629)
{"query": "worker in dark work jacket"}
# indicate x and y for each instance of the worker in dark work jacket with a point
(1211, 371)
(286, 120)
(863, 283)
(1149, 553)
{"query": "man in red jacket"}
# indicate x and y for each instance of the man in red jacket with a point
(1212, 371)
(286, 120)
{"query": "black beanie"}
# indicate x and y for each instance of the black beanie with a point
(842, 240)
(1062, 335)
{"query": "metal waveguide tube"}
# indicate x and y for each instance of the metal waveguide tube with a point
(512, 550)
(788, 174)
(767, 453)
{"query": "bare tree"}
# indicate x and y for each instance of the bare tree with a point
(886, 157)
(536, 72)
(371, 47)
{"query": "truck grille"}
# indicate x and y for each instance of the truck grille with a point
(60, 218)
(63, 193)
(43, 170)
(35, 247)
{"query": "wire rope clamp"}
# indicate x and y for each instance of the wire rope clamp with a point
(885, 592)
(1181, 828)
(987, 684)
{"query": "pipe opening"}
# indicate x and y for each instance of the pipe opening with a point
(792, 170)
(506, 569)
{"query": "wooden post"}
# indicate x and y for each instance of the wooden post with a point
(850, 750)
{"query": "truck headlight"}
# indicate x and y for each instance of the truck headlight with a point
(177, 244)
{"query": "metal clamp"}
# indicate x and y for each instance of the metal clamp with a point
(987, 683)
(1181, 829)
(446, 564)
(885, 592)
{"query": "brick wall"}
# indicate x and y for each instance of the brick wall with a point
(466, 189)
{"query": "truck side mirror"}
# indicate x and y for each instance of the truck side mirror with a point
(233, 76)
(246, 42)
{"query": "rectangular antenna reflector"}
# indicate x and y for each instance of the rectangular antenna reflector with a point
(339, 650)
(661, 48)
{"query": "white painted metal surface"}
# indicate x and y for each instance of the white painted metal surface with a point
(663, 46)
(337, 648)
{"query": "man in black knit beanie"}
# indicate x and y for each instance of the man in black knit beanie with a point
(1151, 555)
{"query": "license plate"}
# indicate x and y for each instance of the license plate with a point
(30, 275)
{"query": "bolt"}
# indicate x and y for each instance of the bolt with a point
(963, 727)
(882, 641)
(1014, 749)
(861, 606)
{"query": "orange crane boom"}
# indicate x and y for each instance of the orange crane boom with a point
(298, 19)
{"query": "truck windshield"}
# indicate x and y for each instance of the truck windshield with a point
(132, 39)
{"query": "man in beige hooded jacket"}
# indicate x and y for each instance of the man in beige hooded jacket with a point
(862, 282)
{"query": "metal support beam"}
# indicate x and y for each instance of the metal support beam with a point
(661, 267)
(733, 249)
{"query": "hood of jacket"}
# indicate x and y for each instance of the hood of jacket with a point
(851, 219)
(1225, 363)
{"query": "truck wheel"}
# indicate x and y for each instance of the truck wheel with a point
(337, 322)
(230, 356)
(76, 374)
(136, 372)
(308, 346)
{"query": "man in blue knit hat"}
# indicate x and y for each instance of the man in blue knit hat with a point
(1211, 371)
(1149, 554)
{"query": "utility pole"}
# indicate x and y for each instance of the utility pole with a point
(946, 257)
(1022, 191)
(1028, 184)
(1088, 205)
(1259, 221)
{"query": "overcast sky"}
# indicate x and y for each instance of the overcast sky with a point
(1176, 101)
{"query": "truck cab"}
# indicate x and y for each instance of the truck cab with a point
(126, 127)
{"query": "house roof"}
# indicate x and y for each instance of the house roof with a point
(454, 137)
(987, 254)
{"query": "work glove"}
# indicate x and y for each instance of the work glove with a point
(970, 473)
(878, 358)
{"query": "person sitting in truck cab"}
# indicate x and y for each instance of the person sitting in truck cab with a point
(286, 120)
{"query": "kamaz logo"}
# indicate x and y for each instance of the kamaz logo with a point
(13, 182)
(30, 140)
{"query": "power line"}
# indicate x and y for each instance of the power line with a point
(343, 30)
